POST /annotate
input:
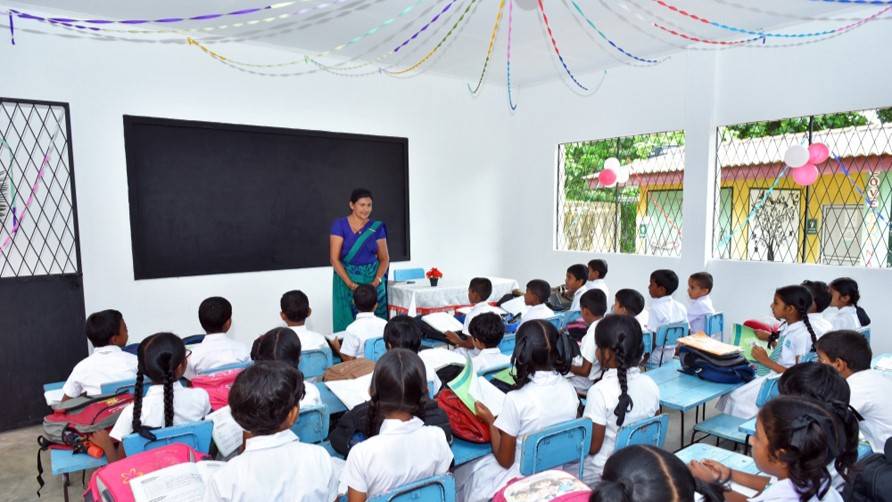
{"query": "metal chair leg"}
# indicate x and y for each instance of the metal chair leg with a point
(65, 483)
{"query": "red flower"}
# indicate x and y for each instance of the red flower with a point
(433, 273)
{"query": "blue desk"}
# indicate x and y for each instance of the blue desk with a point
(734, 460)
(465, 451)
(749, 427)
(330, 400)
(65, 462)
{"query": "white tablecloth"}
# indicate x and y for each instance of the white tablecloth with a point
(422, 298)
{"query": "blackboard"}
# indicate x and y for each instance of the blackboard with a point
(210, 198)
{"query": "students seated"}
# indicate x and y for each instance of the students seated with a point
(479, 291)
(846, 314)
(275, 464)
(575, 284)
(644, 473)
(630, 302)
(403, 332)
(487, 331)
(821, 298)
(216, 349)
(700, 306)
(295, 311)
(536, 295)
(283, 344)
(543, 397)
(404, 449)
(107, 331)
(365, 327)
(849, 352)
(585, 368)
(664, 310)
(597, 271)
(623, 395)
(162, 359)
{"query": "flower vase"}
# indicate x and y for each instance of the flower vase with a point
(434, 281)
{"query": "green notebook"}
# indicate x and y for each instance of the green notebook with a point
(745, 338)
(506, 375)
(461, 385)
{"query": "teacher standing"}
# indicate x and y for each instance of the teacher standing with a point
(358, 254)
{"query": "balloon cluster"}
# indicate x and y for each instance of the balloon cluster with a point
(613, 173)
(803, 162)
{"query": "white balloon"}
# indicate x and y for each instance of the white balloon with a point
(796, 156)
(623, 174)
(612, 163)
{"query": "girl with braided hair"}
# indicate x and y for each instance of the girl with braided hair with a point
(622, 395)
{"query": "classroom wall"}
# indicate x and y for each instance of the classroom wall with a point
(454, 162)
(695, 91)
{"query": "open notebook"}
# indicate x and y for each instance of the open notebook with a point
(470, 388)
(176, 483)
(351, 392)
(228, 435)
(442, 322)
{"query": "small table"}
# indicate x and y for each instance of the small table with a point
(749, 427)
(419, 297)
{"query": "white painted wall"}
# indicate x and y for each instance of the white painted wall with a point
(455, 152)
(696, 92)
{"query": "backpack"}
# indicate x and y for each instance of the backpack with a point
(464, 424)
(732, 368)
(351, 428)
(217, 386)
(553, 485)
(110, 483)
(871, 478)
(348, 370)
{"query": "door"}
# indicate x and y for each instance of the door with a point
(841, 234)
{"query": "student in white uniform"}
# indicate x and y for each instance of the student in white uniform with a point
(107, 331)
(162, 359)
(275, 464)
(700, 306)
(365, 327)
(630, 302)
(664, 310)
(295, 310)
(597, 271)
(845, 298)
(795, 339)
(543, 397)
(575, 284)
(585, 369)
(404, 450)
(623, 395)
(487, 331)
(536, 295)
(791, 433)
(821, 298)
(403, 332)
(479, 291)
(217, 348)
(849, 352)
(283, 344)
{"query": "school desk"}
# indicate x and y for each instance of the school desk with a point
(419, 297)
(734, 460)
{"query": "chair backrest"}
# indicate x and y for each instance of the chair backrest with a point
(557, 321)
(506, 346)
(312, 424)
(408, 274)
(811, 357)
(767, 391)
(230, 366)
(670, 333)
(128, 385)
(53, 386)
(195, 434)
(651, 431)
(489, 373)
(866, 333)
(569, 316)
(313, 363)
(374, 348)
(714, 324)
(433, 489)
(193, 339)
(555, 446)
(647, 337)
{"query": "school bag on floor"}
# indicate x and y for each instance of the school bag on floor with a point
(732, 368)
(872, 478)
(110, 483)
(553, 485)
(217, 386)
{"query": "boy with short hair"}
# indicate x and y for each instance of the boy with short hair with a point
(295, 310)
(275, 464)
(585, 367)
(487, 331)
(479, 291)
(597, 271)
(366, 326)
(217, 348)
(664, 310)
(107, 331)
(630, 302)
(700, 306)
(536, 295)
(575, 284)
(849, 352)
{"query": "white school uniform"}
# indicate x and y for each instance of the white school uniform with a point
(365, 327)
(698, 309)
(216, 349)
(477, 309)
(820, 324)
(785, 491)
(600, 403)
(401, 453)
(275, 467)
(189, 405)
(846, 318)
(830, 312)
(665, 311)
(105, 365)
(602, 285)
(587, 348)
(869, 388)
(536, 312)
(309, 340)
(487, 359)
(548, 399)
(577, 296)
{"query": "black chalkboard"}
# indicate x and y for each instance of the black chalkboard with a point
(209, 198)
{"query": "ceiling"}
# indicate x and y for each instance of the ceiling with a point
(315, 26)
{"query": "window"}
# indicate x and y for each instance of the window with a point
(842, 218)
(639, 214)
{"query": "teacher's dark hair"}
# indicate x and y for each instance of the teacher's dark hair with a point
(360, 193)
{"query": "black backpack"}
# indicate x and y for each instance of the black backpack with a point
(871, 478)
(721, 369)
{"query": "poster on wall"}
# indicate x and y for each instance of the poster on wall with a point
(773, 233)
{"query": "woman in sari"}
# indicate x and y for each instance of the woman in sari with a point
(358, 254)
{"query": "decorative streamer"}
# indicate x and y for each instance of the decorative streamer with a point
(492, 43)
(426, 26)
(611, 42)
(433, 51)
(788, 15)
(555, 46)
(373, 30)
(694, 38)
(857, 2)
(202, 17)
(758, 207)
(11, 29)
(511, 103)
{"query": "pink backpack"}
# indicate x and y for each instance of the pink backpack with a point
(217, 386)
(553, 485)
(110, 483)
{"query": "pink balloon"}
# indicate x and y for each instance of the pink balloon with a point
(817, 153)
(805, 175)
(607, 177)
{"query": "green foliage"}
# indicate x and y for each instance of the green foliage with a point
(885, 115)
(795, 125)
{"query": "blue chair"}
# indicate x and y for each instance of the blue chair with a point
(408, 274)
(193, 339)
(569, 316)
(811, 357)
(506, 346)
(668, 335)
(511, 327)
(433, 489)
(123, 386)
(557, 321)
(727, 426)
(555, 446)
(231, 366)
(866, 333)
(312, 424)
(195, 434)
(651, 431)
(490, 373)
(647, 338)
(374, 348)
(714, 324)
(313, 363)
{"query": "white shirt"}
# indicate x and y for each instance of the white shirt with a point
(665, 311)
(587, 348)
(487, 359)
(189, 405)
(795, 342)
(477, 309)
(275, 467)
(599, 284)
(105, 365)
(215, 350)
(785, 491)
(869, 396)
(830, 312)
(577, 295)
(819, 324)
(602, 399)
(536, 312)
(365, 327)
(846, 318)
(401, 453)
(546, 400)
(309, 340)
(698, 309)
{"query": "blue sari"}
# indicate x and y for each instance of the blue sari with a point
(360, 269)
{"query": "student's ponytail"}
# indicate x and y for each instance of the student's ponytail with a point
(811, 331)
(540, 348)
(565, 350)
(138, 390)
(848, 440)
(169, 379)
(800, 299)
(621, 334)
(848, 287)
(159, 356)
(624, 404)
(620, 490)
